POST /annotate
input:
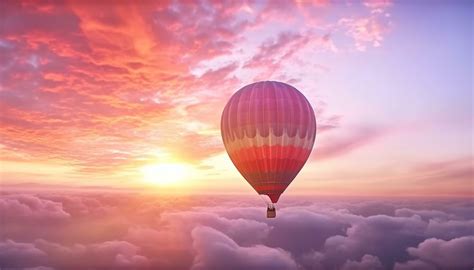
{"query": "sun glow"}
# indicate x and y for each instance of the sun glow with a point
(165, 173)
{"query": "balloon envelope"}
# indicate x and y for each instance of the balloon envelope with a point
(268, 129)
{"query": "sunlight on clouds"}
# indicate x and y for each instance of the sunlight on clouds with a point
(49, 167)
(160, 153)
(221, 162)
(201, 128)
(166, 173)
(25, 171)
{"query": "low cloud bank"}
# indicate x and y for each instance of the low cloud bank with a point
(139, 231)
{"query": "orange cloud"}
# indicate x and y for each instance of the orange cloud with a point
(100, 86)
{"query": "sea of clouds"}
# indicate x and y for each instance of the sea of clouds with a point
(117, 230)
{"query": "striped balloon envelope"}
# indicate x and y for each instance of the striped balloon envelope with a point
(268, 129)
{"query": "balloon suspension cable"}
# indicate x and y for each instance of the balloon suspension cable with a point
(267, 202)
(270, 205)
(271, 211)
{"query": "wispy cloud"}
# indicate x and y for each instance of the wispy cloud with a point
(100, 89)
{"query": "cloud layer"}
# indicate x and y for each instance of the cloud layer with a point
(143, 231)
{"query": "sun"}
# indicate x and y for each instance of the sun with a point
(165, 173)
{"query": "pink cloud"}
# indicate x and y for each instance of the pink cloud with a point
(455, 253)
(336, 146)
(216, 250)
(367, 262)
(378, 6)
(449, 229)
(140, 230)
(458, 170)
(414, 265)
(13, 254)
(108, 254)
(85, 85)
(274, 52)
(99, 84)
(368, 31)
(380, 235)
(31, 209)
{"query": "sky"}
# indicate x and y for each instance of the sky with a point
(129, 95)
(111, 154)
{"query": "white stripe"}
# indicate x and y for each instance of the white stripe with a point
(270, 140)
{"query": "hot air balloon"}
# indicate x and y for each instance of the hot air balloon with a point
(268, 129)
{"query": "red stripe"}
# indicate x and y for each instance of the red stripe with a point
(271, 152)
(271, 187)
(250, 167)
